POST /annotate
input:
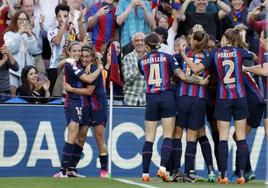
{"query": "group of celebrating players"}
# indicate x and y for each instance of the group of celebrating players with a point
(214, 82)
(181, 90)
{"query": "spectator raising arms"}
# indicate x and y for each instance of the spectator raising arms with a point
(21, 42)
(101, 22)
(6, 62)
(133, 16)
(210, 21)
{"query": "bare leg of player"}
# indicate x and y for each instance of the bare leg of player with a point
(99, 131)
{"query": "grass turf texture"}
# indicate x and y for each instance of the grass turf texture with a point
(28, 182)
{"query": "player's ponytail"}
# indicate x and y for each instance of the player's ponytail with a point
(200, 40)
(152, 40)
(234, 38)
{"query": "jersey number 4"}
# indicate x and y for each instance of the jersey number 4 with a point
(154, 76)
(228, 78)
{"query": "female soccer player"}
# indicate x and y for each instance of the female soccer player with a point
(98, 106)
(157, 67)
(262, 70)
(231, 97)
(76, 109)
(191, 104)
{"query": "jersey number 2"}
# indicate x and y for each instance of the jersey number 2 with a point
(228, 79)
(154, 76)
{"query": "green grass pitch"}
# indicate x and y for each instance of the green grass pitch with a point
(28, 182)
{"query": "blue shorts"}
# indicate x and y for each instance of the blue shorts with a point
(79, 115)
(255, 109)
(99, 117)
(210, 111)
(160, 106)
(225, 109)
(191, 112)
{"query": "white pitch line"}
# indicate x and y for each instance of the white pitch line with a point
(134, 183)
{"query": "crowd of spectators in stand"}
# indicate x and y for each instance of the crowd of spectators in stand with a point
(34, 36)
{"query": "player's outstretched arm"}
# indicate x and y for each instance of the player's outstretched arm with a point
(89, 78)
(193, 79)
(196, 68)
(258, 70)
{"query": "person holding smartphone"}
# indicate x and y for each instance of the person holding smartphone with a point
(21, 43)
(101, 22)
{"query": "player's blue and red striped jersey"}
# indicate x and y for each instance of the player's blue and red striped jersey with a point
(252, 85)
(228, 62)
(193, 90)
(98, 99)
(104, 30)
(72, 73)
(157, 67)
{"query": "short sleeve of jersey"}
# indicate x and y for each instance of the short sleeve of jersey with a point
(178, 58)
(140, 67)
(93, 68)
(246, 54)
(173, 63)
(73, 70)
(91, 11)
(51, 34)
(208, 60)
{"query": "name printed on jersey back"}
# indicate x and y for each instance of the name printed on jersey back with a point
(227, 54)
(153, 60)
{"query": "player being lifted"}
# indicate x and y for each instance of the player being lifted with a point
(97, 101)
(76, 110)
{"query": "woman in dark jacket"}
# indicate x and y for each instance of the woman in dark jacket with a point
(34, 88)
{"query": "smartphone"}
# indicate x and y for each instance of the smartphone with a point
(105, 4)
(41, 77)
(262, 7)
(265, 34)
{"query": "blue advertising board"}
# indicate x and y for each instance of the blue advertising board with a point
(32, 137)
